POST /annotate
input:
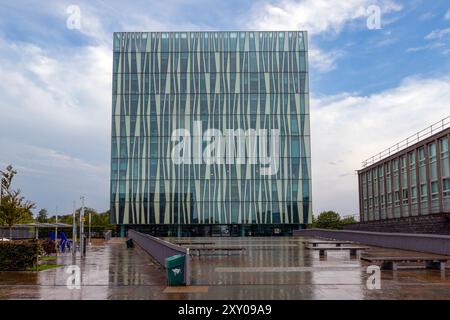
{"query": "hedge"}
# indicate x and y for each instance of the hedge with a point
(19, 255)
(49, 246)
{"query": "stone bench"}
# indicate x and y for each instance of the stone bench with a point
(315, 243)
(228, 250)
(187, 243)
(352, 249)
(392, 263)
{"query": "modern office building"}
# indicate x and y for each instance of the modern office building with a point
(210, 132)
(406, 188)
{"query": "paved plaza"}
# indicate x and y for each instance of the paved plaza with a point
(269, 268)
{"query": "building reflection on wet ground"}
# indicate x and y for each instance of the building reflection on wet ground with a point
(269, 268)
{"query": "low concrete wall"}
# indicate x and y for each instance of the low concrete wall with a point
(160, 250)
(430, 224)
(439, 244)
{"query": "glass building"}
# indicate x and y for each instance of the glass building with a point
(409, 183)
(210, 132)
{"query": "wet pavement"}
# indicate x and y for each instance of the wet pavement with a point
(269, 268)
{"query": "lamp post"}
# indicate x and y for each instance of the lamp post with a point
(56, 230)
(81, 226)
(74, 232)
(1, 196)
(90, 227)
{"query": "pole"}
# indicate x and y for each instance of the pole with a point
(1, 196)
(74, 232)
(56, 230)
(81, 226)
(90, 227)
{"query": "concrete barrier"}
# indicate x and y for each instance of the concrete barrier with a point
(160, 250)
(439, 244)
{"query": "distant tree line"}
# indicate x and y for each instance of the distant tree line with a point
(98, 219)
(330, 220)
(14, 209)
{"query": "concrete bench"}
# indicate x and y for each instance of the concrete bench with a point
(352, 249)
(315, 243)
(392, 263)
(228, 250)
(187, 243)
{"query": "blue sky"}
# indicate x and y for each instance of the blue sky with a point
(369, 88)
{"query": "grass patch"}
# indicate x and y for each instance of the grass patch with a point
(42, 267)
(47, 258)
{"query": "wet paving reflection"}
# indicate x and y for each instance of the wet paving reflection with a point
(269, 268)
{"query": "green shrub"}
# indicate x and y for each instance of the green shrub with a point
(328, 220)
(19, 255)
(49, 246)
(346, 221)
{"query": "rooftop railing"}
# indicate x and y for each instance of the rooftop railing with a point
(418, 136)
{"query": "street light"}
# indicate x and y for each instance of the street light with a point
(90, 227)
(1, 196)
(74, 232)
(82, 226)
(56, 230)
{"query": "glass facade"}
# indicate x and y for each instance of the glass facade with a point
(413, 182)
(210, 128)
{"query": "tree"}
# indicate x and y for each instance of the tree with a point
(13, 207)
(101, 219)
(42, 216)
(14, 210)
(98, 219)
(6, 181)
(328, 220)
(347, 220)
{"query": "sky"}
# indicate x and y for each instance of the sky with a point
(371, 84)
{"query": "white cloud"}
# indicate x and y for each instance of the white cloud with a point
(438, 34)
(323, 61)
(447, 15)
(59, 89)
(349, 128)
(427, 16)
(315, 16)
(436, 41)
(55, 121)
(426, 47)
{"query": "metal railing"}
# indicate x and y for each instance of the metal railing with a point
(418, 136)
(16, 233)
(160, 250)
